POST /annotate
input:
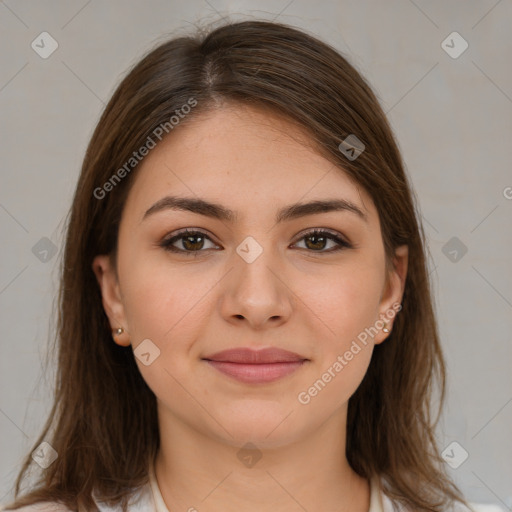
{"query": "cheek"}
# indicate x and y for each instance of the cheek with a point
(162, 303)
(330, 388)
(346, 300)
(170, 308)
(347, 304)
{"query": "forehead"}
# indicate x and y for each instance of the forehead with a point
(245, 158)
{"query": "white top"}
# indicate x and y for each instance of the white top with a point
(151, 499)
(379, 502)
(148, 498)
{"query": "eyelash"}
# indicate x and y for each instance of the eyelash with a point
(166, 244)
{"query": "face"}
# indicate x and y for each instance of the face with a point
(312, 282)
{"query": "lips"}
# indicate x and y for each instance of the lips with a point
(250, 356)
(256, 367)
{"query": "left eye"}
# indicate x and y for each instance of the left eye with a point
(193, 241)
(319, 237)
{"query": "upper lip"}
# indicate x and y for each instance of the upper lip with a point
(251, 356)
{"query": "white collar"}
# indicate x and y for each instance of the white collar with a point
(155, 490)
(377, 501)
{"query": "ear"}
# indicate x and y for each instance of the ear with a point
(111, 298)
(393, 291)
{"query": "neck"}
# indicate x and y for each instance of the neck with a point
(197, 471)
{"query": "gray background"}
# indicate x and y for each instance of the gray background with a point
(452, 118)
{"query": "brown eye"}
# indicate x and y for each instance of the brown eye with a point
(193, 242)
(190, 241)
(318, 239)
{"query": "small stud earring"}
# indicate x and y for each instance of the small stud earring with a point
(119, 331)
(385, 328)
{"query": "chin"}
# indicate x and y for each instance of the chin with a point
(266, 426)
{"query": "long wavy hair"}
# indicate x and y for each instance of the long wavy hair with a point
(103, 421)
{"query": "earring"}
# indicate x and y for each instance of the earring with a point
(385, 328)
(119, 331)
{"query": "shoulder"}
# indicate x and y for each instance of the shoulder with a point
(46, 506)
(480, 507)
(389, 506)
(140, 501)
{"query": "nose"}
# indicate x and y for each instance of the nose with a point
(257, 292)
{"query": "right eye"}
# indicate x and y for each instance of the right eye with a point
(192, 241)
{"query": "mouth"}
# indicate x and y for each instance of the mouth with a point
(256, 367)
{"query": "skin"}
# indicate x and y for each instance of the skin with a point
(296, 295)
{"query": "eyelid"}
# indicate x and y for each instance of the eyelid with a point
(180, 233)
(333, 233)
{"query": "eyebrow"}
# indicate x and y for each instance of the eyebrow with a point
(217, 211)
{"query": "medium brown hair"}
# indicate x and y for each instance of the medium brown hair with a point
(103, 422)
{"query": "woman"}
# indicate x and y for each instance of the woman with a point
(245, 320)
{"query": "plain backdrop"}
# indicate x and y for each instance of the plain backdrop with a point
(451, 110)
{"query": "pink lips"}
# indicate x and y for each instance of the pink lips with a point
(256, 367)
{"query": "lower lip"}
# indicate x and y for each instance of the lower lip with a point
(256, 373)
